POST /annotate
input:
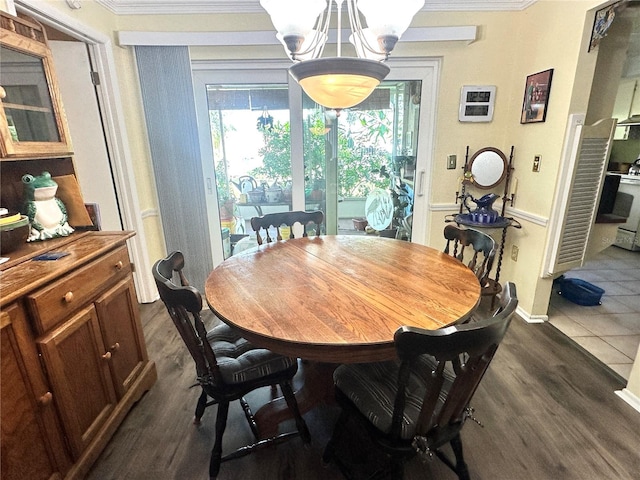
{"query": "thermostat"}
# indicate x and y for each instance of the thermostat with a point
(476, 103)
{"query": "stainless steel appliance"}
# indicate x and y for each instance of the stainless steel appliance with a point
(628, 233)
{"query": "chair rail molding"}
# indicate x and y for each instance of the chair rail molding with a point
(512, 212)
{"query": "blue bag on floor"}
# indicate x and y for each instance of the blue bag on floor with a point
(579, 291)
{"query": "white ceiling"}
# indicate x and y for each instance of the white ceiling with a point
(147, 7)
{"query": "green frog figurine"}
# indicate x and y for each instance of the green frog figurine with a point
(46, 212)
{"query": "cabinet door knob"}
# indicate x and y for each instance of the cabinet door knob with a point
(46, 399)
(115, 346)
(107, 356)
(68, 297)
(119, 265)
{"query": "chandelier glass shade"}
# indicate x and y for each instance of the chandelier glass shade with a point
(340, 82)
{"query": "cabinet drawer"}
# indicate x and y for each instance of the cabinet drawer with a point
(52, 304)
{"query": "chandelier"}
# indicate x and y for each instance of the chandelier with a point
(340, 82)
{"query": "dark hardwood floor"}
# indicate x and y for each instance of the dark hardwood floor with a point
(549, 412)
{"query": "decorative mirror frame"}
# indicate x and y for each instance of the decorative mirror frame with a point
(475, 159)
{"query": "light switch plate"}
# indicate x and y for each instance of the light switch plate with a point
(536, 163)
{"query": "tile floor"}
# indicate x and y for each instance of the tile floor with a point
(610, 331)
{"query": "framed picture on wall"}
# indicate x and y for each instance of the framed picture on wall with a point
(601, 23)
(536, 97)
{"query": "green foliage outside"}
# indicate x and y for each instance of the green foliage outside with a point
(364, 159)
(362, 139)
(276, 154)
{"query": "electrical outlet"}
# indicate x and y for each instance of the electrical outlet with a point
(451, 162)
(514, 253)
(536, 163)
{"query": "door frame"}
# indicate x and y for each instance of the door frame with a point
(101, 53)
(425, 69)
(92, 163)
(227, 73)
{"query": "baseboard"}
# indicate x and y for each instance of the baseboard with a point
(527, 317)
(629, 397)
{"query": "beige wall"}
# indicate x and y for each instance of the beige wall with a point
(511, 45)
(550, 34)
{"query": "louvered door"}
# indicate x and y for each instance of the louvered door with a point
(578, 194)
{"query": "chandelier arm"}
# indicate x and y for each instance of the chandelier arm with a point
(358, 30)
(366, 45)
(316, 48)
(354, 19)
(339, 38)
(323, 28)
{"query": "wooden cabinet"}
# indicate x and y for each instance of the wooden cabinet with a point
(55, 302)
(32, 120)
(121, 329)
(32, 446)
(73, 354)
(74, 359)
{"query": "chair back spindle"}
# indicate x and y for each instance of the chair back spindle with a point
(478, 243)
(459, 357)
(261, 225)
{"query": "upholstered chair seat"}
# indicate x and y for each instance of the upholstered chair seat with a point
(240, 361)
(372, 388)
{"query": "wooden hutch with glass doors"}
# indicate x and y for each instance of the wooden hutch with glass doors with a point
(73, 353)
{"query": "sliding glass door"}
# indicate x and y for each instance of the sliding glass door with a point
(357, 155)
(267, 147)
(251, 145)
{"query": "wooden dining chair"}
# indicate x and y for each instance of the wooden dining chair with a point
(474, 248)
(227, 366)
(477, 250)
(419, 403)
(276, 220)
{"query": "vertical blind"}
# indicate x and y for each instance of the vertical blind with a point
(169, 109)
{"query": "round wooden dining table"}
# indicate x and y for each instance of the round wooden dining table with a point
(336, 299)
(340, 298)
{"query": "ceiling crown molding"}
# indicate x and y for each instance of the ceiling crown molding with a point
(461, 33)
(187, 7)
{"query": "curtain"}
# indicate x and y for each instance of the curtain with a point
(170, 114)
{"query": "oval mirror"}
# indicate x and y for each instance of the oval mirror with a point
(488, 167)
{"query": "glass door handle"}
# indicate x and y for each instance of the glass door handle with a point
(420, 189)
